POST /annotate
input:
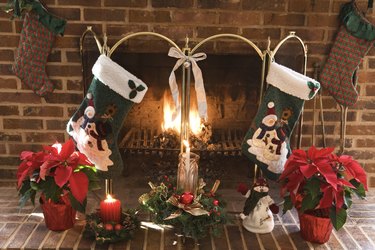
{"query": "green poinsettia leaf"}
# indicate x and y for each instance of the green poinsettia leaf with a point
(76, 204)
(133, 94)
(34, 185)
(309, 202)
(131, 84)
(24, 187)
(27, 193)
(140, 88)
(94, 181)
(50, 189)
(360, 189)
(312, 187)
(348, 198)
(287, 204)
(338, 218)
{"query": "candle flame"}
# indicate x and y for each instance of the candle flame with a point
(186, 143)
(109, 197)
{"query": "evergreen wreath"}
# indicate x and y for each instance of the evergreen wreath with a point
(111, 232)
(194, 217)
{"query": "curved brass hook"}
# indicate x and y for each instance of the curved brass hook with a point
(89, 29)
(259, 52)
(292, 34)
(145, 33)
(272, 54)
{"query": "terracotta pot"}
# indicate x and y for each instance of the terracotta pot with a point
(58, 216)
(315, 229)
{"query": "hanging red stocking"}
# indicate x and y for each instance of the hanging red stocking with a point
(37, 36)
(354, 39)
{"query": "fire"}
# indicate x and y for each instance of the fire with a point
(174, 123)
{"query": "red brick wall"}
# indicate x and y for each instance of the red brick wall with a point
(27, 121)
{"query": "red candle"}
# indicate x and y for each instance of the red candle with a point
(110, 210)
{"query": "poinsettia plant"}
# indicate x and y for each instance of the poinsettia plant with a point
(320, 180)
(55, 171)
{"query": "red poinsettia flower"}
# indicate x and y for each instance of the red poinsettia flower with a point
(319, 179)
(64, 159)
(68, 169)
(30, 162)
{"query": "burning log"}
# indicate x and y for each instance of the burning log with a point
(170, 139)
(167, 139)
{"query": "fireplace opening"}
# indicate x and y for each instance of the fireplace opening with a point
(232, 83)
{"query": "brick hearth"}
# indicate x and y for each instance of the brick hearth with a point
(25, 229)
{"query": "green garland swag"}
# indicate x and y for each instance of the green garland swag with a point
(194, 217)
(55, 24)
(111, 232)
(356, 23)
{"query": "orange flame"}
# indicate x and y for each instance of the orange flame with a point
(174, 123)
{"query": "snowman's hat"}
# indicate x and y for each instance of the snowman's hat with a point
(90, 110)
(271, 108)
(270, 115)
(260, 182)
(90, 99)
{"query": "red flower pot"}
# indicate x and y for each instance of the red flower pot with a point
(315, 229)
(58, 216)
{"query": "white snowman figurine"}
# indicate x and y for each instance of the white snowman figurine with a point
(257, 214)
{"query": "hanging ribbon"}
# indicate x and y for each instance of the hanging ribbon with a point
(199, 86)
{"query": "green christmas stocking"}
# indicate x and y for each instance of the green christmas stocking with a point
(267, 141)
(96, 124)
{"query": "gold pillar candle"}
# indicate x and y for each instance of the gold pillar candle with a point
(187, 176)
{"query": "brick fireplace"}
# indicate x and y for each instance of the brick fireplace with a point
(28, 121)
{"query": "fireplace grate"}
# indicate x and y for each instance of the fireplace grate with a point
(141, 141)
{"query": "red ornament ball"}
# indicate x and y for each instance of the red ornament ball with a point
(216, 203)
(118, 227)
(187, 198)
(108, 227)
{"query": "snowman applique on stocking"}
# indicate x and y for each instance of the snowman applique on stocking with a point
(96, 124)
(267, 141)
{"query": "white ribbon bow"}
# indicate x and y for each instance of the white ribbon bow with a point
(199, 86)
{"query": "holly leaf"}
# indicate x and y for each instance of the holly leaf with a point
(131, 84)
(133, 94)
(140, 88)
(338, 218)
